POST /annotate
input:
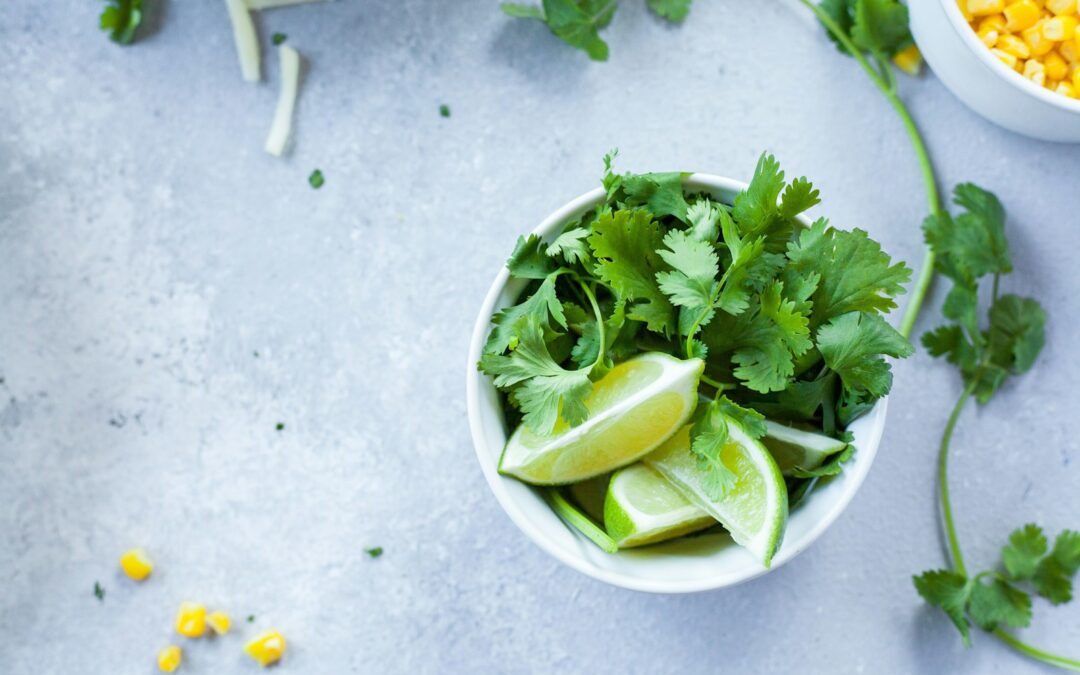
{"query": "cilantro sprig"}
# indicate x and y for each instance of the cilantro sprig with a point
(966, 248)
(787, 318)
(121, 18)
(578, 22)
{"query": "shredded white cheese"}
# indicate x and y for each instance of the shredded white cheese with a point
(269, 4)
(247, 44)
(283, 115)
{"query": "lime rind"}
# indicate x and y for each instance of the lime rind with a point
(796, 448)
(570, 456)
(642, 507)
(736, 510)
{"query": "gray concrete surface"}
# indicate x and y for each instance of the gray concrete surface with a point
(169, 293)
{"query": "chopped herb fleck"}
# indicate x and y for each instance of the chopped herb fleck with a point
(280, 426)
(278, 38)
(251, 618)
(374, 552)
(444, 110)
(99, 592)
(316, 179)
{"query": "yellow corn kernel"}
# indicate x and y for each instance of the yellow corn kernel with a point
(266, 647)
(909, 60)
(1038, 44)
(1076, 80)
(1034, 71)
(1070, 49)
(219, 621)
(993, 22)
(985, 7)
(1076, 40)
(1056, 68)
(1060, 28)
(168, 659)
(1014, 45)
(136, 564)
(191, 620)
(1021, 15)
(1060, 7)
(989, 38)
(1065, 89)
(962, 4)
(1006, 58)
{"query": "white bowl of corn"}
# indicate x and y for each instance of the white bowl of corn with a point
(1015, 62)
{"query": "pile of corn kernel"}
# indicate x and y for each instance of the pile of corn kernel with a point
(1040, 39)
(192, 620)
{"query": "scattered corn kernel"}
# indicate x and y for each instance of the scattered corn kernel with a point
(191, 620)
(1060, 7)
(1060, 28)
(266, 647)
(219, 621)
(909, 60)
(168, 659)
(1040, 39)
(136, 564)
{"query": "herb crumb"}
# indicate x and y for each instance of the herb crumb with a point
(278, 38)
(280, 426)
(444, 110)
(99, 592)
(251, 618)
(374, 552)
(316, 179)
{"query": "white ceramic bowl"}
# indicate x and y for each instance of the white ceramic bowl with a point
(983, 82)
(681, 566)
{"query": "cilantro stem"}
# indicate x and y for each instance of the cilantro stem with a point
(888, 87)
(716, 384)
(579, 521)
(1037, 654)
(943, 478)
(602, 350)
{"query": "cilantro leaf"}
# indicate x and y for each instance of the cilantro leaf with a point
(1053, 576)
(852, 345)
(695, 265)
(1026, 547)
(755, 208)
(545, 390)
(624, 244)
(575, 22)
(854, 274)
(832, 467)
(121, 18)
(571, 245)
(709, 435)
(278, 38)
(530, 259)
(672, 10)
(542, 304)
(703, 216)
(1017, 333)
(999, 603)
(799, 196)
(948, 591)
(972, 244)
(661, 193)
(881, 26)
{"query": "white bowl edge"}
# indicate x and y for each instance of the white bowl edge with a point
(528, 510)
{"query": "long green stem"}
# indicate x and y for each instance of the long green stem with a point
(943, 480)
(579, 521)
(1036, 653)
(887, 87)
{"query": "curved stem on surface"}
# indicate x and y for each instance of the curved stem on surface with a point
(1036, 653)
(943, 480)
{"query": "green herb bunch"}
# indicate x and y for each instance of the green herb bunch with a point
(578, 22)
(787, 318)
(121, 18)
(966, 249)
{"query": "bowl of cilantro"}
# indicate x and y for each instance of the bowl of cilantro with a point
(679, 382)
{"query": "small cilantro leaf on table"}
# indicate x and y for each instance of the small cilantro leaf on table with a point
(121, 18)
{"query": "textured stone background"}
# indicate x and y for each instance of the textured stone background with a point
(169, 293)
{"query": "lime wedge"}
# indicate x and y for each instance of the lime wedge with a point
(792, 447)
(755, 510)
(642, 507)
(589, 495)
(634, 408)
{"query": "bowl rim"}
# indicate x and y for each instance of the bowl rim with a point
(968, 36)
(856, 474)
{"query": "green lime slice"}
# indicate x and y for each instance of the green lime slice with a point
(633, 409)
(755, 510)
(642, 507)
(794, 448)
